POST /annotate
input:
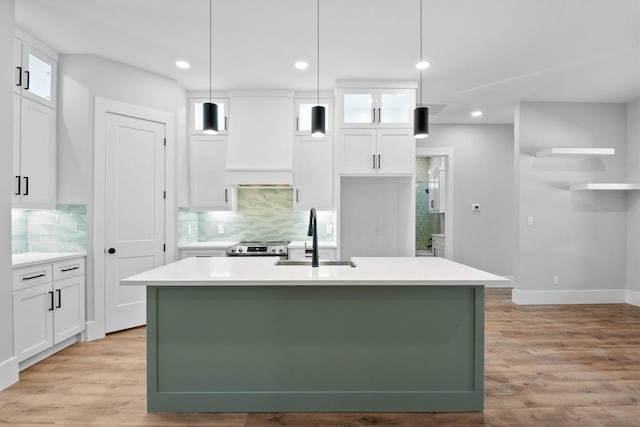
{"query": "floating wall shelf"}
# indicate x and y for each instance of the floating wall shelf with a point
(576, 152)
(606, 186)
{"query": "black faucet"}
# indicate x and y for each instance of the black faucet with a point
(313, 231)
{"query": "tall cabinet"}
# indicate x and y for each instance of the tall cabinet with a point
(34, 136)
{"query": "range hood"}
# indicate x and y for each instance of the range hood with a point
(260, 138)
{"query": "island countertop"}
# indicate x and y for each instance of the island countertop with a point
(262, 271)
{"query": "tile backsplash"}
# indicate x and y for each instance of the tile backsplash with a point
(262, 214)
(61, 230)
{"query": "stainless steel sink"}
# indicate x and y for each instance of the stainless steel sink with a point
(308, 263)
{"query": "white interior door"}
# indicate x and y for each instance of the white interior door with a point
(134, 214)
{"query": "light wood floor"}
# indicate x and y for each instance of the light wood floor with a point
(545, 366)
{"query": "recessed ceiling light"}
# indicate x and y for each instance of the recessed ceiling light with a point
(302, 65)
(183, 64)
(423, 65)
(476, 113)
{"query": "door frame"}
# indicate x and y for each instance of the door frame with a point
(448, 223)
(96, 327)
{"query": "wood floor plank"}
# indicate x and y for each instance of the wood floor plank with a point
(555, 365)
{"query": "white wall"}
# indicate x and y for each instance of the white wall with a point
(8, 365)
(633, 202)
(483, 174)
(578, 235)
(81, 79)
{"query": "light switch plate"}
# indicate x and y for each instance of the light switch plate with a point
(220, 228)
(529, 220)
(329, 229)
(475, 207)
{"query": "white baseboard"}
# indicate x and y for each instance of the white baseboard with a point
(8, 372)
(92, 331)
(595, 296)
(50, 351)
(633, 297)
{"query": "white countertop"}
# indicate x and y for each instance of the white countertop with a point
(262, 271)
(437, 235)
(205, 245)
(33, 258)
(300, 244)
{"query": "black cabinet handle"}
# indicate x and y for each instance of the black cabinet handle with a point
(373, 115)
(297, 123)
(28, 75)
(297, 199)
(379, 115)
(112, 250)
(19, 179)
(51, 306)
(64, 270)
(26, 186)
(19, 76)
(33, 277)
(379, 162)
(225, 123)
(226, 195)
(374, 160)
(59, 292)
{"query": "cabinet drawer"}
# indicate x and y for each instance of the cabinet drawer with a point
(202, 253)
(68, 268)
(31, 276)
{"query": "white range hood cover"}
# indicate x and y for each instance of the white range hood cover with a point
(262, 177)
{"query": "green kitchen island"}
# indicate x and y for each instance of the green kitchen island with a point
(246, 335)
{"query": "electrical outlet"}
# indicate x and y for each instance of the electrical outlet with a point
(189, 229)
(220, 228)
(475, 207)
(329, 229)
(555, 279)
(529, 220)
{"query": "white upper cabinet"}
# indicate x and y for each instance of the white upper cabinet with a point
(377, 152)
(377, 108)
(303, 108)
(313, 173)
(35, 74)
(34, 156)
(208, 160)
(195, 115)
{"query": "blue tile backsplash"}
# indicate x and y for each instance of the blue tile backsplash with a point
(61, 230)
(262, 214)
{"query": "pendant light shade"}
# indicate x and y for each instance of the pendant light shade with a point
(210, 118)
(318, 113)
(421, 122)
(318, 123)
(209, 109)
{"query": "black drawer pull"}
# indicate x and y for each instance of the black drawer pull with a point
(19, 179)
(34, 277)
(64, 270)
(51, 306)
(27, 85)
(19, 76)
(59, 292)
(26, 186)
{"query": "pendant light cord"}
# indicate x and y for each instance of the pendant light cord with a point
(210, 45)
(318, 52)
(420, 87)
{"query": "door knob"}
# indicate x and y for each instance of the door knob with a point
(112, 250)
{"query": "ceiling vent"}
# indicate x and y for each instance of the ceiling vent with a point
(435, 109)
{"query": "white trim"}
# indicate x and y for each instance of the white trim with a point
(8, 372)
(450, 189)
(23, 36)
(590, 296)
(102, 107)
(92, 332)
(48, 352)
(375, 84)
(633, 297)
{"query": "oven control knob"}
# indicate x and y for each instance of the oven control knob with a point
(280, 250)
(233, 249)
(273, 249)
(240, 250)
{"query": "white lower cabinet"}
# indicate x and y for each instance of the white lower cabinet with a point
(299, 254)
(48, 305)
(438, 246)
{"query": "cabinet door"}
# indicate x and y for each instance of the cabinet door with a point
(37, 155)
(396, 151)
(208, 159)
(32, 320)
(17, 183)
(38, 76)
(196, 115)
(357, 151)
(358, 110)
(313, 173)
(68, 313)
(395, 109)
(17, 66)
(303, 115)
(202, 253)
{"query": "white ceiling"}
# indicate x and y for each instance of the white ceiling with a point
(485, 54)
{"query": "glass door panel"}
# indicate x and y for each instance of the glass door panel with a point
(38, 76)
(358, 108)
(394, 108)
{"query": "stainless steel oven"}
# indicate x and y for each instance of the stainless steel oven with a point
(279, 249)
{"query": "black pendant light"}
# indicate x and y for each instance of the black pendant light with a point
(318, 113)
(421, 113)
(209, 109)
